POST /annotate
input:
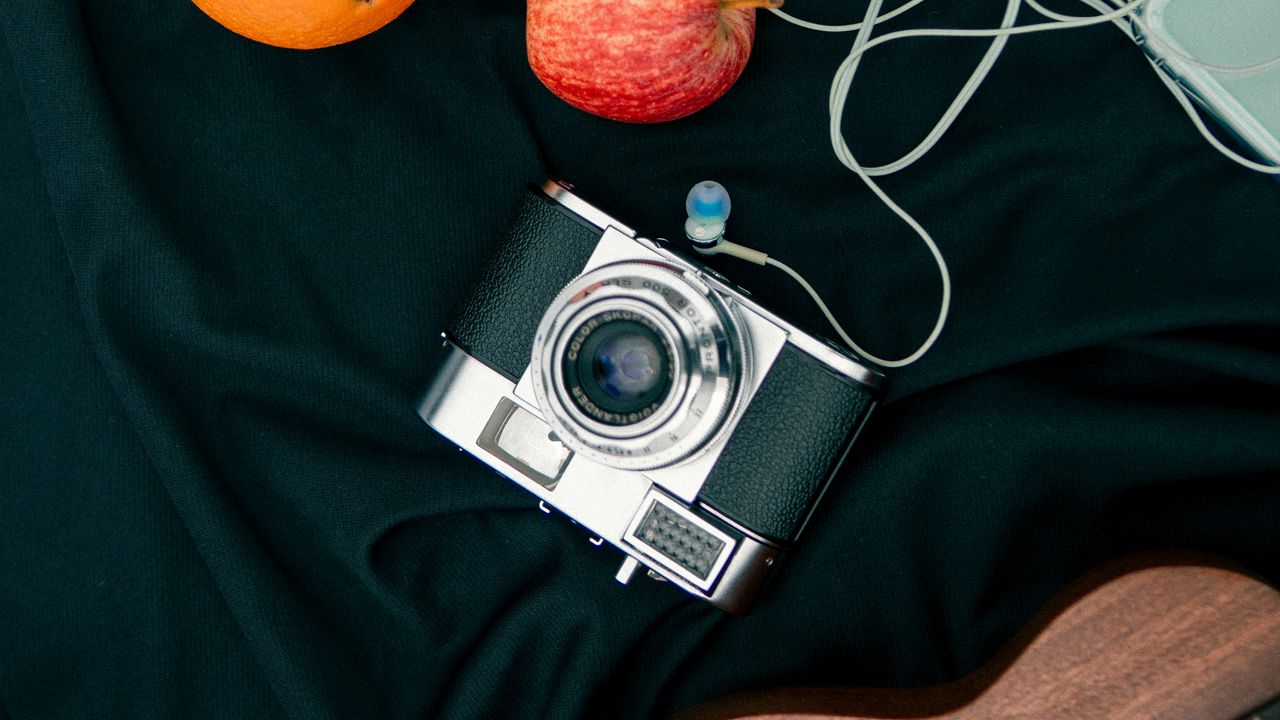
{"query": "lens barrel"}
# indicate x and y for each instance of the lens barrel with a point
(637, 367)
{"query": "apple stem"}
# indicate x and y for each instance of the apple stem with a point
(764, 4)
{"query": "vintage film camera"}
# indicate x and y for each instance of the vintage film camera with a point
(646, 397)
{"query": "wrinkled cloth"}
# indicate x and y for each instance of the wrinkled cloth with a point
(227, 267)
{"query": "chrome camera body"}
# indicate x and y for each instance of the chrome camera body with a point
(646, 397)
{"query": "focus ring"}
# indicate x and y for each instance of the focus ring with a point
(707, 358)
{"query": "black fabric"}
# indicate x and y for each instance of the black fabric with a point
(537, 253)
(226, 264)
(795, 428)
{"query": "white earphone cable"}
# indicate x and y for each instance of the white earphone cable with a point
(958, 104)
(1118, 13)
(1060, 16)
(840, 86)
(844, 28)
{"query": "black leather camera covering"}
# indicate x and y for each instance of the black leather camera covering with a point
(538, 253)
(780, 455)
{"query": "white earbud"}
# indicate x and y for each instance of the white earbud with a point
(708, 206)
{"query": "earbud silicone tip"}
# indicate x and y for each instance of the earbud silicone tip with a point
(708, 200)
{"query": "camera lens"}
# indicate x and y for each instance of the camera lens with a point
(638, 364)
(617, 367)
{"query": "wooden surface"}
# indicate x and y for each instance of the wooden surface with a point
(1139, 639)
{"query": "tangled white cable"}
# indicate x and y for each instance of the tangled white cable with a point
(843, 80)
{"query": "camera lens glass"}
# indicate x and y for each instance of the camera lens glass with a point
(618, 368)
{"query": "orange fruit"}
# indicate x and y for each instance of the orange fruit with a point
(303, 24)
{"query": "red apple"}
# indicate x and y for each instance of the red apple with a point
(640, 61)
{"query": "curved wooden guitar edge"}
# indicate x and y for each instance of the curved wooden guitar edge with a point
(1155, 635)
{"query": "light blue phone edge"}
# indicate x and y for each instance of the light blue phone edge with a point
(1217, 100)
